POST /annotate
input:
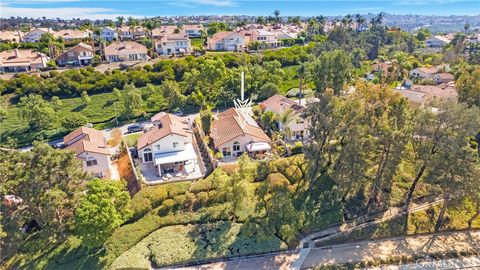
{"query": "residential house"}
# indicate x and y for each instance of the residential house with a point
(168, 148)
(11, 36)
(90, 147)
(108, 33)
(173, 44)
(234, 133)
(428, 73)
(381, 67)
(443, 77)
(284, 34)
(125, 51)
(420, 95)
(226, 41)
(36, 34)
(268, 39)
(70, 35)
(22, 60)
(165, 30)
(193, 30)
(80, 55)
(437, 41)
(128, 32)
(298, 126)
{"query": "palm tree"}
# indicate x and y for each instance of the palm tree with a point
(151, 24)
(360, 20)
(269, 121)
(120, 20)
(286, 118)
(466, 27)
(276, 13)
(302, 74)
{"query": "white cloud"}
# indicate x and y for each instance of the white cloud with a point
(61, 12)
(217, 3)
(196, 3)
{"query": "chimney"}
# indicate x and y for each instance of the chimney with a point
(16, 52)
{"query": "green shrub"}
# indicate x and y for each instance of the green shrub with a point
(140, 206)
(190, 243)
(166, 207)
(175, 189)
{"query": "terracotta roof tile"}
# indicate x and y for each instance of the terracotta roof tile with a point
(227, 127)
(125, 47)
(85, 139)
(164, 125)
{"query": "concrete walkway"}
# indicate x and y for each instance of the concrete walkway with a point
(393, 247)
(356, 252)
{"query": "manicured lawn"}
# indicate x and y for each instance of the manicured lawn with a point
(102, 108)
(131, 139)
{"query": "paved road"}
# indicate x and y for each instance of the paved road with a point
(394, 247)
(108, 132)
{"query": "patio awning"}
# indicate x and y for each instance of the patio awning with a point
(171, 157)
(258, 146)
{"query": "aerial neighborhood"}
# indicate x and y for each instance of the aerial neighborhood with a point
(238, 141)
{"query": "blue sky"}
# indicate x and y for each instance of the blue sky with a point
(113, 8)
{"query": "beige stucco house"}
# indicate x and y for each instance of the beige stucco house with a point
(125, 51)
(298, 126)
(90, 147)
(234, 133)
(168, 148)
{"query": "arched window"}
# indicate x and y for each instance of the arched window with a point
(147, 155)
(236, 146)
(91, 161)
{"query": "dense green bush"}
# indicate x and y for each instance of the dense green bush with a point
(191, 243)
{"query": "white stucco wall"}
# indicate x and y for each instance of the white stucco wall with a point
(103, 164)
(243, 140)
(166, 145)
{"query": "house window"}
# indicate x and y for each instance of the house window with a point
(91, 161)
(99, 175)
(157, 146)
(147, 155)
(227, 151)
(175, 145)
(236, 146)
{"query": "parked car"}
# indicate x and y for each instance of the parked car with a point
(134, 128)
(178, 113)
(59, 145)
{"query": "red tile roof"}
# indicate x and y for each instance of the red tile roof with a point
(85, 139)
(165, 124)
(227, 127)
(279, 104)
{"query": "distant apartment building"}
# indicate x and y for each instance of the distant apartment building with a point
(125, 51)
(22, 60)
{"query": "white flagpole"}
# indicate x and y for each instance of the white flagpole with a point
(242, 87)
